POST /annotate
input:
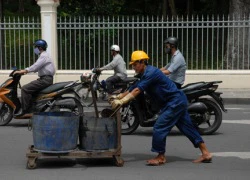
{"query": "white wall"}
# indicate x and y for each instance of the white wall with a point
(231, 79)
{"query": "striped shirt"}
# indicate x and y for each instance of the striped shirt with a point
(44, 65)
(177, 67)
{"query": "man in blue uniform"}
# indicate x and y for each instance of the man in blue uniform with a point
(173, 105)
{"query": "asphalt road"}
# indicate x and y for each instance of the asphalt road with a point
(230, 146)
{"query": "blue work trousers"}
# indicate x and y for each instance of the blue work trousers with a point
(173, 115)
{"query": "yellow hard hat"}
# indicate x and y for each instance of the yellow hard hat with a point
(138, 55)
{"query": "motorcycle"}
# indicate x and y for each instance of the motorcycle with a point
(51, 99)
(99, 87)
(205, 113)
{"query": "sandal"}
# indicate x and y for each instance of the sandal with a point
(156, 161)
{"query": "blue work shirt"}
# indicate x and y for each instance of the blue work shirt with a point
(158, 86)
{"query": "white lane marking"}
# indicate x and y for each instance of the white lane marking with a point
(236, 121)
(234, 108)
(241, 155)
(237, 108)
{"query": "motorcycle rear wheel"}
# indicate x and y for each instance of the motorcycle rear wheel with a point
(129, 119)
(214, 120)
(77, 110)
(6, 114)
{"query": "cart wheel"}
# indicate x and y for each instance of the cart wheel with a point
(118, 161)
(31, 163)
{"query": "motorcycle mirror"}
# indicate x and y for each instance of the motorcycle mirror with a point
(12, 73)
(14, 68)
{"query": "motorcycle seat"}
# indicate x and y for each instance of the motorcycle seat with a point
(126, 81)
(55, 87)
(192, 86)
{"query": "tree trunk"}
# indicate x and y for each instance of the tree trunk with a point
(190, 7)
(237, 55)
(21, 6)
(172, 7)
(1, 10)
(222, 7)
(164, 9)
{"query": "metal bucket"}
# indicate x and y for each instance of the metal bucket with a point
(98, 134)
(55, 132)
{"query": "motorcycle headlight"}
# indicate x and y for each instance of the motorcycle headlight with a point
(85, 77)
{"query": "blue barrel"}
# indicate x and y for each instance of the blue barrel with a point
(55, 132)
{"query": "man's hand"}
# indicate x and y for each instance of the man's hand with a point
(96, 70)
(116, 103)
(119, 102)
(113, 97)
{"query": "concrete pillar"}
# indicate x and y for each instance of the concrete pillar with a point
(49, 26)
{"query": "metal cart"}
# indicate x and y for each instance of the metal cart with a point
(33, 154)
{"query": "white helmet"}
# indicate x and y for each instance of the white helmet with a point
(115, 48)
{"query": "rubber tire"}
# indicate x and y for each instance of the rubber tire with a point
(78, 105)
(9, 117)
(212, 107)
(29, 166)
(136, 122)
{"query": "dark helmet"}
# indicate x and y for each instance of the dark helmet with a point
(41, 43)
(172, 41)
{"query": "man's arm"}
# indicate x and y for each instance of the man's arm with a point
(21, 72)
(134, 93)
(125, 98)
(110, 65)
(165, 71)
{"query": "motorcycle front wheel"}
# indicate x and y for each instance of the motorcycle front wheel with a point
(6, 114)
(85, 94)
(210, 121)
(129, 119)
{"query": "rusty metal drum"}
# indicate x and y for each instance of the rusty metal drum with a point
(55, 132)
(98, 134)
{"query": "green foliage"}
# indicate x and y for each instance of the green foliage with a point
(11, 9)
(90, 7)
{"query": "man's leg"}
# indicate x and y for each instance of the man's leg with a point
(186, 126)
(165, 122)
(29, 89)
(110, 83)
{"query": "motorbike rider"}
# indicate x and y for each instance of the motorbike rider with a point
(119, 67)
(173, 105)
(46, 70)
(176, 69)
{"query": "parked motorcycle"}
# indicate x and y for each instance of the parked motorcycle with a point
(99, 87)
(205, 108)
(51, 99)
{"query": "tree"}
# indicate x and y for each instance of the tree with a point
(238, 49)
(1, 32)
(21, 6)
(172, 7)
(1, 10)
